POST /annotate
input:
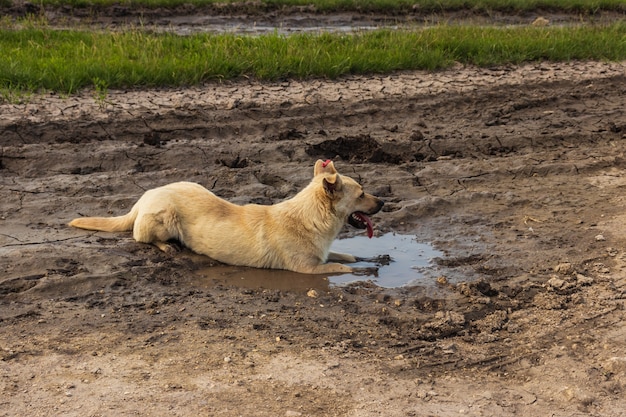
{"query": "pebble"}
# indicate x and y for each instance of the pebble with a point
(616, 365)
(564, 268)
(583, 280)
(540, 22)
(556, 282)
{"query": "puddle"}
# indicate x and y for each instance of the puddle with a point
(285, 25)
(271, 279)
(344, 23)
(410, 260)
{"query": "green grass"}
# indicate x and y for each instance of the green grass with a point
(38, 58)
(390, 6)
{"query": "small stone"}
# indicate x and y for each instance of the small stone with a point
(312, 293)
(583, 280)
(564, 268)
(600, 238)
(416, 135)
(540, 22)
(449, 349)
(556, 282)
(616, 365)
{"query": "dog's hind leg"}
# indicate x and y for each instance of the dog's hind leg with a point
(157, 229)
(167, 247)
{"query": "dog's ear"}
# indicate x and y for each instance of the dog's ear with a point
(324, 167)
(332, 184)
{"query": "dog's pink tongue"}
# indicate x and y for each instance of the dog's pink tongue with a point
(370, 226)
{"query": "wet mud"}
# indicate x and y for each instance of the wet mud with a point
(256, 18)
(514, 174)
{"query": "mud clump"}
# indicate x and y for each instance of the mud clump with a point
(363, 148)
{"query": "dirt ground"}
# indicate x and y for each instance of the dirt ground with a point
(515, 174)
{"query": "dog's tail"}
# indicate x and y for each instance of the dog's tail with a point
(106, 224)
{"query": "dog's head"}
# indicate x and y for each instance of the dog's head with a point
(347, 197)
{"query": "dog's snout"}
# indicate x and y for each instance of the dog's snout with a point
(379, 205)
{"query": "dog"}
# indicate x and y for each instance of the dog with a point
(295, 234)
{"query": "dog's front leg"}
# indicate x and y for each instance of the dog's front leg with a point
(330, 268)
(335, 268)
(341, 257)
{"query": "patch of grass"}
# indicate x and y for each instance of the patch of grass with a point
(39, 58)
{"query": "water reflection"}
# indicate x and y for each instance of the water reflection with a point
(273, 279)
(410, 259)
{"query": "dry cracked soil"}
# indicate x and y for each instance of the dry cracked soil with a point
(513, 173)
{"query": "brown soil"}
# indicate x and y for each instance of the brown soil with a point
(514, 173)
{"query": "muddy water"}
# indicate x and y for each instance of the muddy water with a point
(185, 25)
(336, 23)
(410, 260)
(272, 279)
(401, 260)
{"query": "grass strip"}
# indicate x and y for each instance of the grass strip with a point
(379, 6)
(35, 59)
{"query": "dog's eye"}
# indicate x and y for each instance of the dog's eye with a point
(362, 195)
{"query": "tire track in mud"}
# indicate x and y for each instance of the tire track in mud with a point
(392, 130)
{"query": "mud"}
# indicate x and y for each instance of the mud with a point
(514, 174)
(254, 18)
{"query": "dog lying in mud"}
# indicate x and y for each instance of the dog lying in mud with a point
(295, 234)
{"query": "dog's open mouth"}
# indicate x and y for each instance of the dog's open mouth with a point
(361, 221)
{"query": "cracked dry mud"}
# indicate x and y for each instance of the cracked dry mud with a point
(515, 174)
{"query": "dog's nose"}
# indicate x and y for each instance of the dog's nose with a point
(379, 205)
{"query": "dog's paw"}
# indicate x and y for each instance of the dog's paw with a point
(379, 260)
(366, 271)
(169, 248)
